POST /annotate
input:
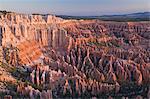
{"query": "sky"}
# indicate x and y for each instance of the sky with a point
(76, 7)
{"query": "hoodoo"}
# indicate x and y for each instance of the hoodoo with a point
(54, 57)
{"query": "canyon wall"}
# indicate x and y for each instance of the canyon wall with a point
(32, 32)
(16, 28)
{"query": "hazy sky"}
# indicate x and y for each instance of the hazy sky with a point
(76, 7)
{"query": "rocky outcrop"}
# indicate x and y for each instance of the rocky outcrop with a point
(42, 77)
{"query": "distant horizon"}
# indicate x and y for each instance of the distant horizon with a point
(77, 7)
(78, 15)
(112, 14)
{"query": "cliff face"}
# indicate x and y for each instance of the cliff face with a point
(95, 56)
(42, 29)
(32, 32)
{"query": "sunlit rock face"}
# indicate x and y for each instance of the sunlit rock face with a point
(94, 57)
(42, 29)
(32, 32)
